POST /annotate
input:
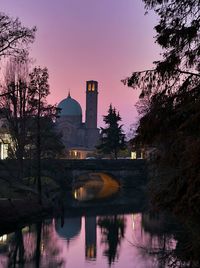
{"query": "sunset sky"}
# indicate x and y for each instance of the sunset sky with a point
(79, 40)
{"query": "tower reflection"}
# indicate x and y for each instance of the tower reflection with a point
(90, 238)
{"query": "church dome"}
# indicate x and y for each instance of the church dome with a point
(70, 229)
(70, 107)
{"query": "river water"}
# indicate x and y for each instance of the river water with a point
(130, 240)
(99, 234)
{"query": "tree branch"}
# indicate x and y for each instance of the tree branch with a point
(189, 73)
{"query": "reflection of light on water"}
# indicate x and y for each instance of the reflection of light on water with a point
(42, 247)
(97, 186)
(136, 227)
(80, 194)
(26, 229)
(76, 194)
(3, 238)
(91, 252)
(143, 250)
(150, 239)
(133, 221)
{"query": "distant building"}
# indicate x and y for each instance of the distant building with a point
(79, 138)
(5, 138)
(144, 152)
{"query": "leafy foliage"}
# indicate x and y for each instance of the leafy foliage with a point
(51, 143)
(169, 106)
(112, 137)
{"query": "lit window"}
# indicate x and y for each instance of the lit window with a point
(91, 251)
(133, 155)
(3, 238)
(4, 150)
(93, 87)
(89, 87)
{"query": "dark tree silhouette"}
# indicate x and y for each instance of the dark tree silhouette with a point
(14, 37)
(162, 228)
(39, 89)
(112, 137)
(112, 228)
(15, 108)
(170, 119)
(38, 244)
(16, 250)
(23, 106)
(51, 142)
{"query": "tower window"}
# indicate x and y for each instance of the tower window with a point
(93, 87)
(89, 87)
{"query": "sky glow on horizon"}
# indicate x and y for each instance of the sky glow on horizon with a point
(80, 40)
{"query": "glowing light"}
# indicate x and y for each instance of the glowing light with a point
(4, 150)
(79, 193)
(91, 252)
(133, 222)
(133, 155)
(3, 238)
(42, 247)
(93, 87)
(75, 194)
(98, 186)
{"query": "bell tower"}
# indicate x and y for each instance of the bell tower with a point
(91, 104)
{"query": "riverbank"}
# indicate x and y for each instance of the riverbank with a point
(20, 211)
(19, 202)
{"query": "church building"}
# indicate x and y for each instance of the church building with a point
(79, 138)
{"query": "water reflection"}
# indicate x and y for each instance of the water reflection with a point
(16, 252)
(135, 240)
(68, 229)
(95, 186)
(33, 246)
(112, 230)
(153, 236)
(90, 238)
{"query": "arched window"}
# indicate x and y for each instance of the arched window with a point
(93, 87)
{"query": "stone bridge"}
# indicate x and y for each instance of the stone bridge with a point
(119, 169)
(131, 174)
(126, 171)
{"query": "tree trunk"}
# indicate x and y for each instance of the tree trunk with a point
(39, 155)
(115, 153)
(38, 245)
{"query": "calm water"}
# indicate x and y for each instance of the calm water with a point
(131, 240)
(102, 234)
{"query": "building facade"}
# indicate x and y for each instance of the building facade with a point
(80, 138)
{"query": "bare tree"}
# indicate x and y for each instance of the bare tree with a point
(15, 107)
(14, 37)
(39, 90)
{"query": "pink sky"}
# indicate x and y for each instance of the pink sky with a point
(79, 40)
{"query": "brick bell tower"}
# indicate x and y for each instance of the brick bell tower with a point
(91, 104)
(92, 132)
